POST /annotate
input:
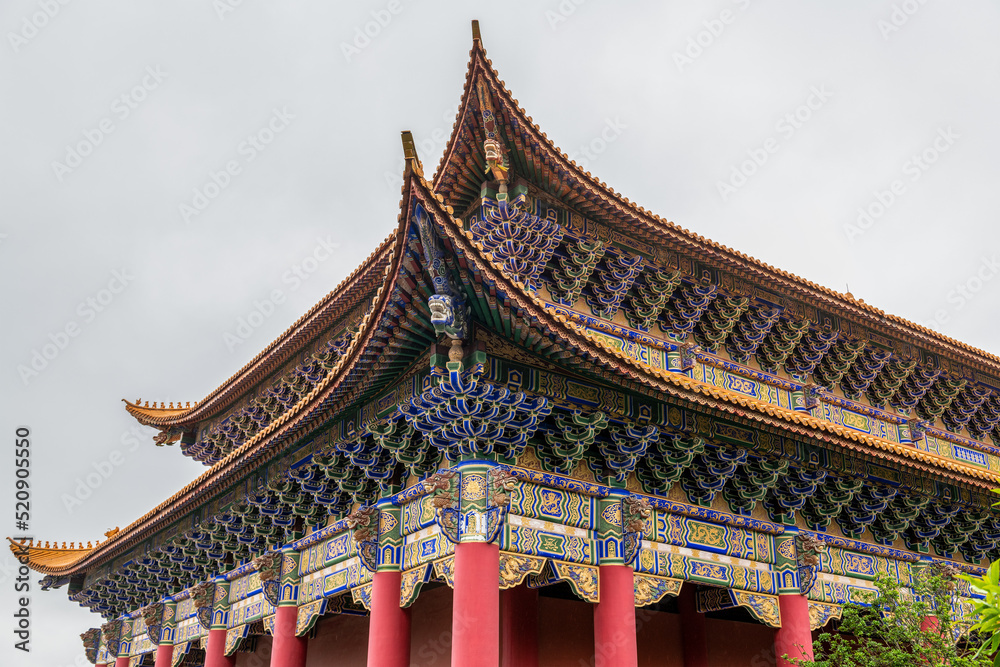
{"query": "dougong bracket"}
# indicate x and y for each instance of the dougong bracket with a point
(364, 521)
(447, 305)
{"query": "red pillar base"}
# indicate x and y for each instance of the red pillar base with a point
(794, 638)
(475, 622)
(287, 649)
(389, 625)
(215, 650)
(694, 641)
(614, 618)
(164, 655)
(519, 627)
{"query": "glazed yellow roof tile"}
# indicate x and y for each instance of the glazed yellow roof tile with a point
(45, 558)
(137, 409)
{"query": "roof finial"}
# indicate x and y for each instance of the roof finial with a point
(476, 37)
(410, 152)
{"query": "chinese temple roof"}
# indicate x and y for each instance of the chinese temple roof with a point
(458, 179)
(392, 330)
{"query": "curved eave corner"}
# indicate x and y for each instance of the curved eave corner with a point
(151, 415)
(49, 560)
(66, 562)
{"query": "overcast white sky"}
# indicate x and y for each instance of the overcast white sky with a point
(199, 78)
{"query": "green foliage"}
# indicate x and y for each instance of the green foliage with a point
(987, 612)
(890, 629)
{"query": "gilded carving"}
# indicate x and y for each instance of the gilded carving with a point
(444, 570)
(650, 589)
(763, 607)
(820, 614)
(515, 568)
(363, 595)
(411, 583)
(203, 596)
(268, 567)
(442, 487)
(308, 614)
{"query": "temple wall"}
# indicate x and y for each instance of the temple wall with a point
(430, 628)
(658, 638)
(735, 643)
(566, 638)
(261, 657)
(566, 633)
(340, 640)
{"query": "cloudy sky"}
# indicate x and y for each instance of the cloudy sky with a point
(167, 167)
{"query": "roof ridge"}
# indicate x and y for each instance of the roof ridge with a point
(652, 221)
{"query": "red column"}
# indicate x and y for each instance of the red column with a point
(121, 661)
(519, 626)
(215, 650)
(930, 624)
(475, 622)
(614, 618)
(389, 625)
(287, 649)
(101, 664)
(694, 641)
(794, 636)
(164, 655)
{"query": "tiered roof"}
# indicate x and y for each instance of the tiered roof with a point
(376, 326)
